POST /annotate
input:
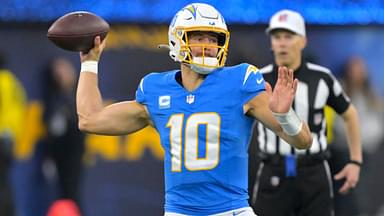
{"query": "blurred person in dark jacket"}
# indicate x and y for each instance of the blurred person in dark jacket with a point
(371, 111)
(65, 143)
(12, 110)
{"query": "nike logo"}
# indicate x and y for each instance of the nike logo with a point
(259, 81)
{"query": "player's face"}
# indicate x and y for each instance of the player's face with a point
(287, 47)
(203, 43)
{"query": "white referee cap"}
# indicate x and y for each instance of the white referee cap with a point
(289, 20)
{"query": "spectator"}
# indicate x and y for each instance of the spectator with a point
(371, 112)
(64, 142)
(12, 108)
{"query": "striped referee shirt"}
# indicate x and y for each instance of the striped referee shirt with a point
(317, 87)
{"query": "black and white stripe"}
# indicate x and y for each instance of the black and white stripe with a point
(317, 88)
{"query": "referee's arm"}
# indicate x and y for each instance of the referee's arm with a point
(351, 122)
(351, 171)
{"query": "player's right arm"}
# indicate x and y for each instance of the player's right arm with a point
(116, 119)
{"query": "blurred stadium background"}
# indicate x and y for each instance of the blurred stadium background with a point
(123, 175)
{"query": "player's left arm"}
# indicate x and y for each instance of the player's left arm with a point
(351, 171)
(274, 110)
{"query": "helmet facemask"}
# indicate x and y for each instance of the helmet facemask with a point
(204, 63)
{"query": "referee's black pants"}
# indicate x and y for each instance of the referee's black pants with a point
(310, 193)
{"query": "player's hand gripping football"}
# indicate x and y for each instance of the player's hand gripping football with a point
(281, 98)
(95, 52)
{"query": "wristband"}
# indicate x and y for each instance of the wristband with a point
(290, 122)
(89, 66)
(357, 163)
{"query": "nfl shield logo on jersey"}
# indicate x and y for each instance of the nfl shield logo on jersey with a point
(190, 98)
(164, 102)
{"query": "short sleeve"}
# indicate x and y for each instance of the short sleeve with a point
(253, 83)
(337, 99)
(140, 95)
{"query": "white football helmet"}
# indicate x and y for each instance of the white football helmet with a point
(192, 18)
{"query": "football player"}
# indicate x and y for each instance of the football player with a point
(203, 111)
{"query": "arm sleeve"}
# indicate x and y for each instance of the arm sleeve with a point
(337, 99)
(253, 83)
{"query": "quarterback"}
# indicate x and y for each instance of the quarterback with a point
(203, 111)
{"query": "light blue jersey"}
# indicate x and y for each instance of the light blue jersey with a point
(205, 134)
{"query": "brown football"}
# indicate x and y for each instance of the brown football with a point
(76, 31)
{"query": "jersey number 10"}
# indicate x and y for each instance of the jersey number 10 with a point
(190, 139)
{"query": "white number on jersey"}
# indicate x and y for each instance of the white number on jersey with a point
(191, 158)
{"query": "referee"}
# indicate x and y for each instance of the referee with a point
(298, 182)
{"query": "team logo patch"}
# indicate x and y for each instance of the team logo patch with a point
(164, 102)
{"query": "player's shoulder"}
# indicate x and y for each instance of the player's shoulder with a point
(155, 80)
(238, 73)
(320, 70)
(241, 66)
(158, 75)
(240, 69)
